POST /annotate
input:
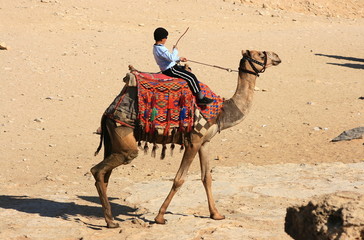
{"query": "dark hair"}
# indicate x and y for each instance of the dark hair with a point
(160, 33)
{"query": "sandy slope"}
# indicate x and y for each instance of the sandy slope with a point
(64, 66)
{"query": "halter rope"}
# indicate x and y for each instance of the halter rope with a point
(245, 57)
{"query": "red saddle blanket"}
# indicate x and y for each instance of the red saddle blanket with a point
(168, 103)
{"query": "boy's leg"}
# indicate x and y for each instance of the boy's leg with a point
(190, 78)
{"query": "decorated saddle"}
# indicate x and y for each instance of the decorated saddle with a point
(160, 104)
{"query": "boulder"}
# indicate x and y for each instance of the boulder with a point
(339, 216)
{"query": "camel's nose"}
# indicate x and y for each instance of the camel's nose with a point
(276, 61)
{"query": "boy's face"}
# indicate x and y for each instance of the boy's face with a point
(164, 40)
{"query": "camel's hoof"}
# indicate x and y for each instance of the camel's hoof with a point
(160, 220)
(217, 217)
(113, 225)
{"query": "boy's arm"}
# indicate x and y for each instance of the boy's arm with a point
(172, 57)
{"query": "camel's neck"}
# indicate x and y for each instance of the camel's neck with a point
(237, 107)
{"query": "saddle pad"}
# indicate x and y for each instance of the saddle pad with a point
(212, 110)
(166, 102)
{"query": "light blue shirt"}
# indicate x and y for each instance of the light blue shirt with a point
(164, 58)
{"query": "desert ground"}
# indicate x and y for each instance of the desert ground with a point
(63, 63)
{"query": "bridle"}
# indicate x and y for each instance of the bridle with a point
(247, 57)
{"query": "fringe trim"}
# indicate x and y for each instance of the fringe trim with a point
(144, 139)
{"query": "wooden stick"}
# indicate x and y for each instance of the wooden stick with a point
(181, 37)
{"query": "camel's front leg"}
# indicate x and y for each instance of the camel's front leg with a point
(207, 182)
(188, 156)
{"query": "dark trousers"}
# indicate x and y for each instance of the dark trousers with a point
(179, 72)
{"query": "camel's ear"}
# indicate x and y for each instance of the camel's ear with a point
(242, 52)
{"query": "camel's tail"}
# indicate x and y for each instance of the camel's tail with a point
(103, 129)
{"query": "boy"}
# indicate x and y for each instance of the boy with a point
(167, 64)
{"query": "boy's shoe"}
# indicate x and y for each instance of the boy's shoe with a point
(204, 101)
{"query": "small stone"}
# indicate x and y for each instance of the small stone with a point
(263, 13)
(264, 145)
(3, 46)
(52, 145)
(38, 120)
(217, 158)
(317, 128)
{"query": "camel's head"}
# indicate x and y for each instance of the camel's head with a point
(256, 62)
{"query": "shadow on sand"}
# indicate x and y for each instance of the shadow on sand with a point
(349, 65)
(64, 210)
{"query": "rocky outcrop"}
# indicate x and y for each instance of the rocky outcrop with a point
(329, 217)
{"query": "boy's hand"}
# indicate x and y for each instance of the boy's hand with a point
(183, 59)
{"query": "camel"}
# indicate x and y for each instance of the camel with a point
(120, 142)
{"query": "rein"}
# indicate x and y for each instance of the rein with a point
(245, 58)
(227, 69)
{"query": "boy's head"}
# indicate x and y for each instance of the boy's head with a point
(160, 33)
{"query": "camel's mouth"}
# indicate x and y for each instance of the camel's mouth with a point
(276, 62)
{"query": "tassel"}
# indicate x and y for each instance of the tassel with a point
(155, 147)
(147, 112)
(172, 148)
(189, 127)
(182, 147)
(146, 148)
(163, 154)
(173, 135)
(153, 114)
(182, 115)
(169, 107)
(154, 109)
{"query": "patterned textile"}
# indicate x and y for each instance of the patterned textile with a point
(212, 110)
(166, 103)
(200, 125)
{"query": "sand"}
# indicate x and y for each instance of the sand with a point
(63, 65)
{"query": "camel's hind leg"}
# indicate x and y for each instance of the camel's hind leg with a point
(188, 156)
(207, 182)
(121, 148)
